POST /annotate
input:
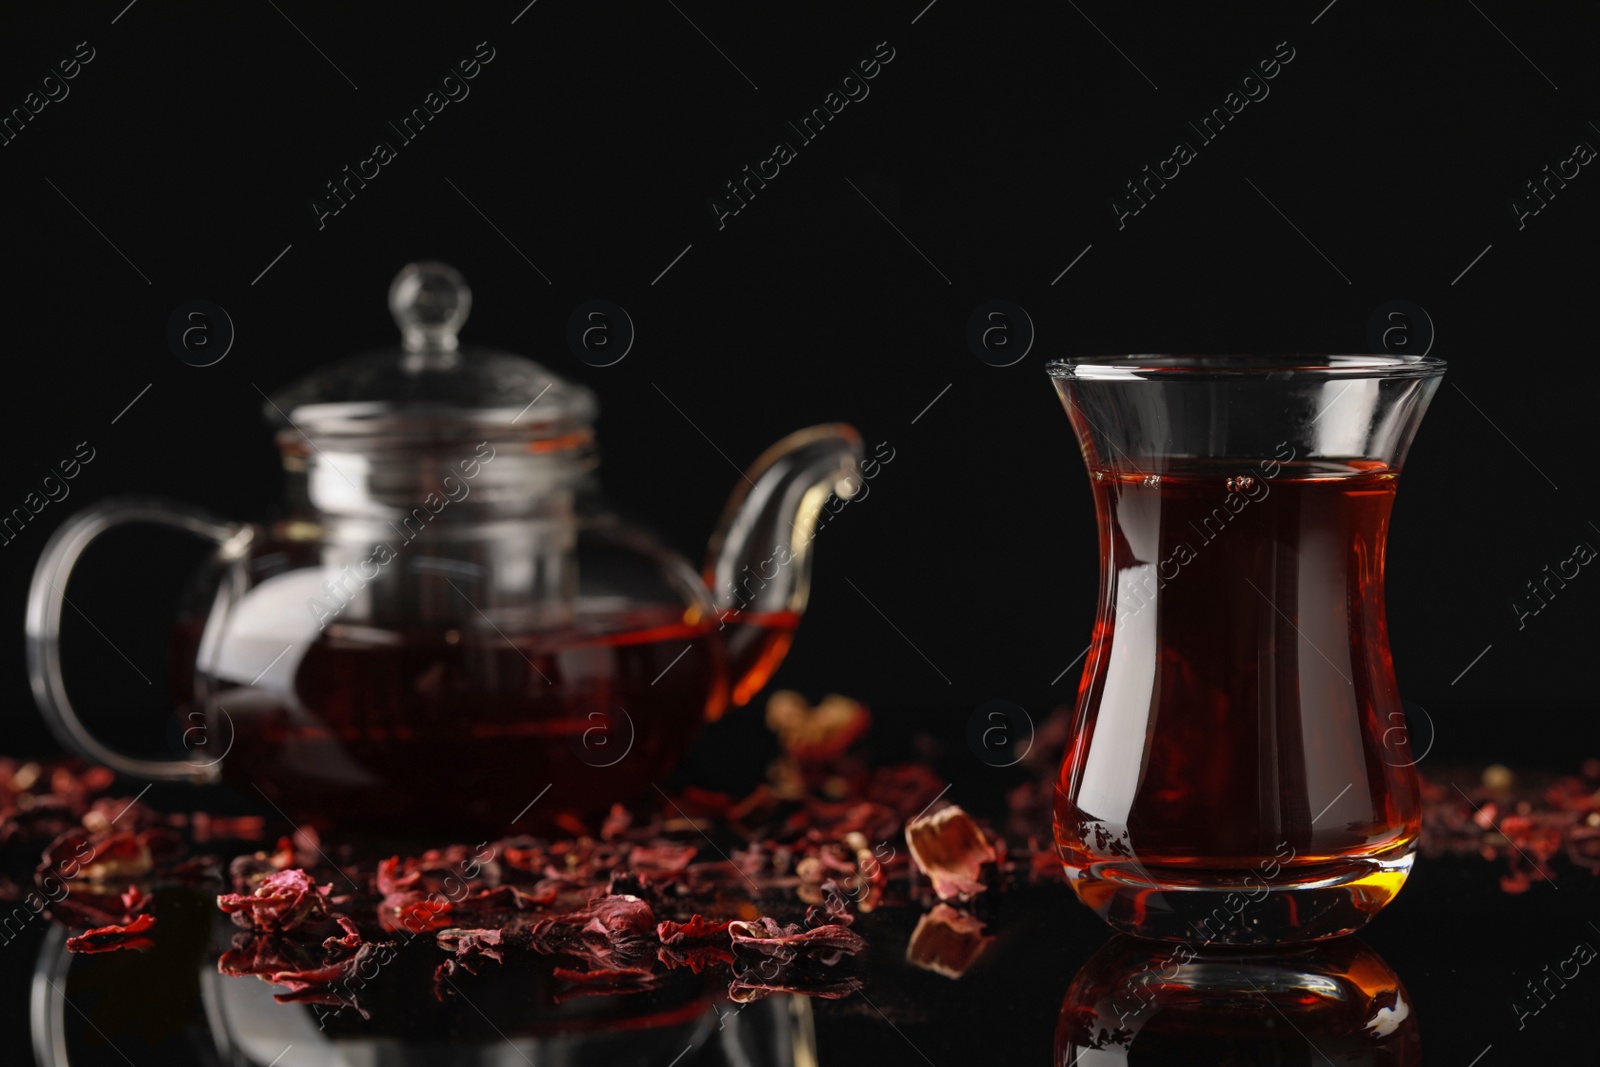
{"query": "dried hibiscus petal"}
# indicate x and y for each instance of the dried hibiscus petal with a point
(816, 734)
(114, 938)
(414, 915)
(698, 928)
(697, 944)
(280, 903)
(405, 907)
(612, 932)
(352, 935)
(661, 860)
(951, 850)
(617, 821)
(618, 918)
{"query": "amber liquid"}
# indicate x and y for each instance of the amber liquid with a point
(1238, 724)
(448, 729)
(1138, 1002)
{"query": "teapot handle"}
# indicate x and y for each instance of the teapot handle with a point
(48, 592)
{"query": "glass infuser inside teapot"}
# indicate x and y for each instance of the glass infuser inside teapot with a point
(448, 620)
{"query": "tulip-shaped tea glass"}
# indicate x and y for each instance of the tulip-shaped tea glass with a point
(1239, 770)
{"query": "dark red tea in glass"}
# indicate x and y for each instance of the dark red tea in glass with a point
(1238, 771)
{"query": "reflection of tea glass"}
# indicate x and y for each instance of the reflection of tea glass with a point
(1150, 1002)
(1236, 774)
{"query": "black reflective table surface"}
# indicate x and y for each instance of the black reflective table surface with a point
(1456, 968)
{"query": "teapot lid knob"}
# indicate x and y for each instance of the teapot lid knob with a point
(429, 302)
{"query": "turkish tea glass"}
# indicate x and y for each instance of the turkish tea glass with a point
(1239, 771)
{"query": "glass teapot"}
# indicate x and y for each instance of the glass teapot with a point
(448, 623)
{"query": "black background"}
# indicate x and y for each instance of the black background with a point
(1395, 141)
(994, 141)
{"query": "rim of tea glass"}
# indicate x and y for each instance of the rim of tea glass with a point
(1267, 367)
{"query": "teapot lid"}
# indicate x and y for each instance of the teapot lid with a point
(430, 386)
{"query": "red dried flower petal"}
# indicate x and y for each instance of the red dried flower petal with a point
(661, 860)
(115, 938)
(617, 821)
(603, 981)
(352, 935)
(282, 902)
(951, 850)
(698, 928)
(816, 734)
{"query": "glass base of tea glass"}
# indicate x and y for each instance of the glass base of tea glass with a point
(1307, 902)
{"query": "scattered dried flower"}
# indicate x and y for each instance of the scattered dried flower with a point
(816, 734)
(114, 938)
(280, 903)
(951, 850)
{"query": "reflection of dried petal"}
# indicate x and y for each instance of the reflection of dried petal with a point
(816, 734)
(696, 944)
(471, 945)
(600, 982)
(253, 955)
(825, 943)
(745, 991)
(949, 848)
(113, 938)
(771, 958)
(441, 978)
(614, 932)
(320, 984)
(946, 942)
(311, 977)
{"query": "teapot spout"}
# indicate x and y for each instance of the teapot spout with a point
(758, 566)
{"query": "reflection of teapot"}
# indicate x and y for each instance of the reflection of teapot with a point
(447, 620)
(1140, 1001)
(172, 1004)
